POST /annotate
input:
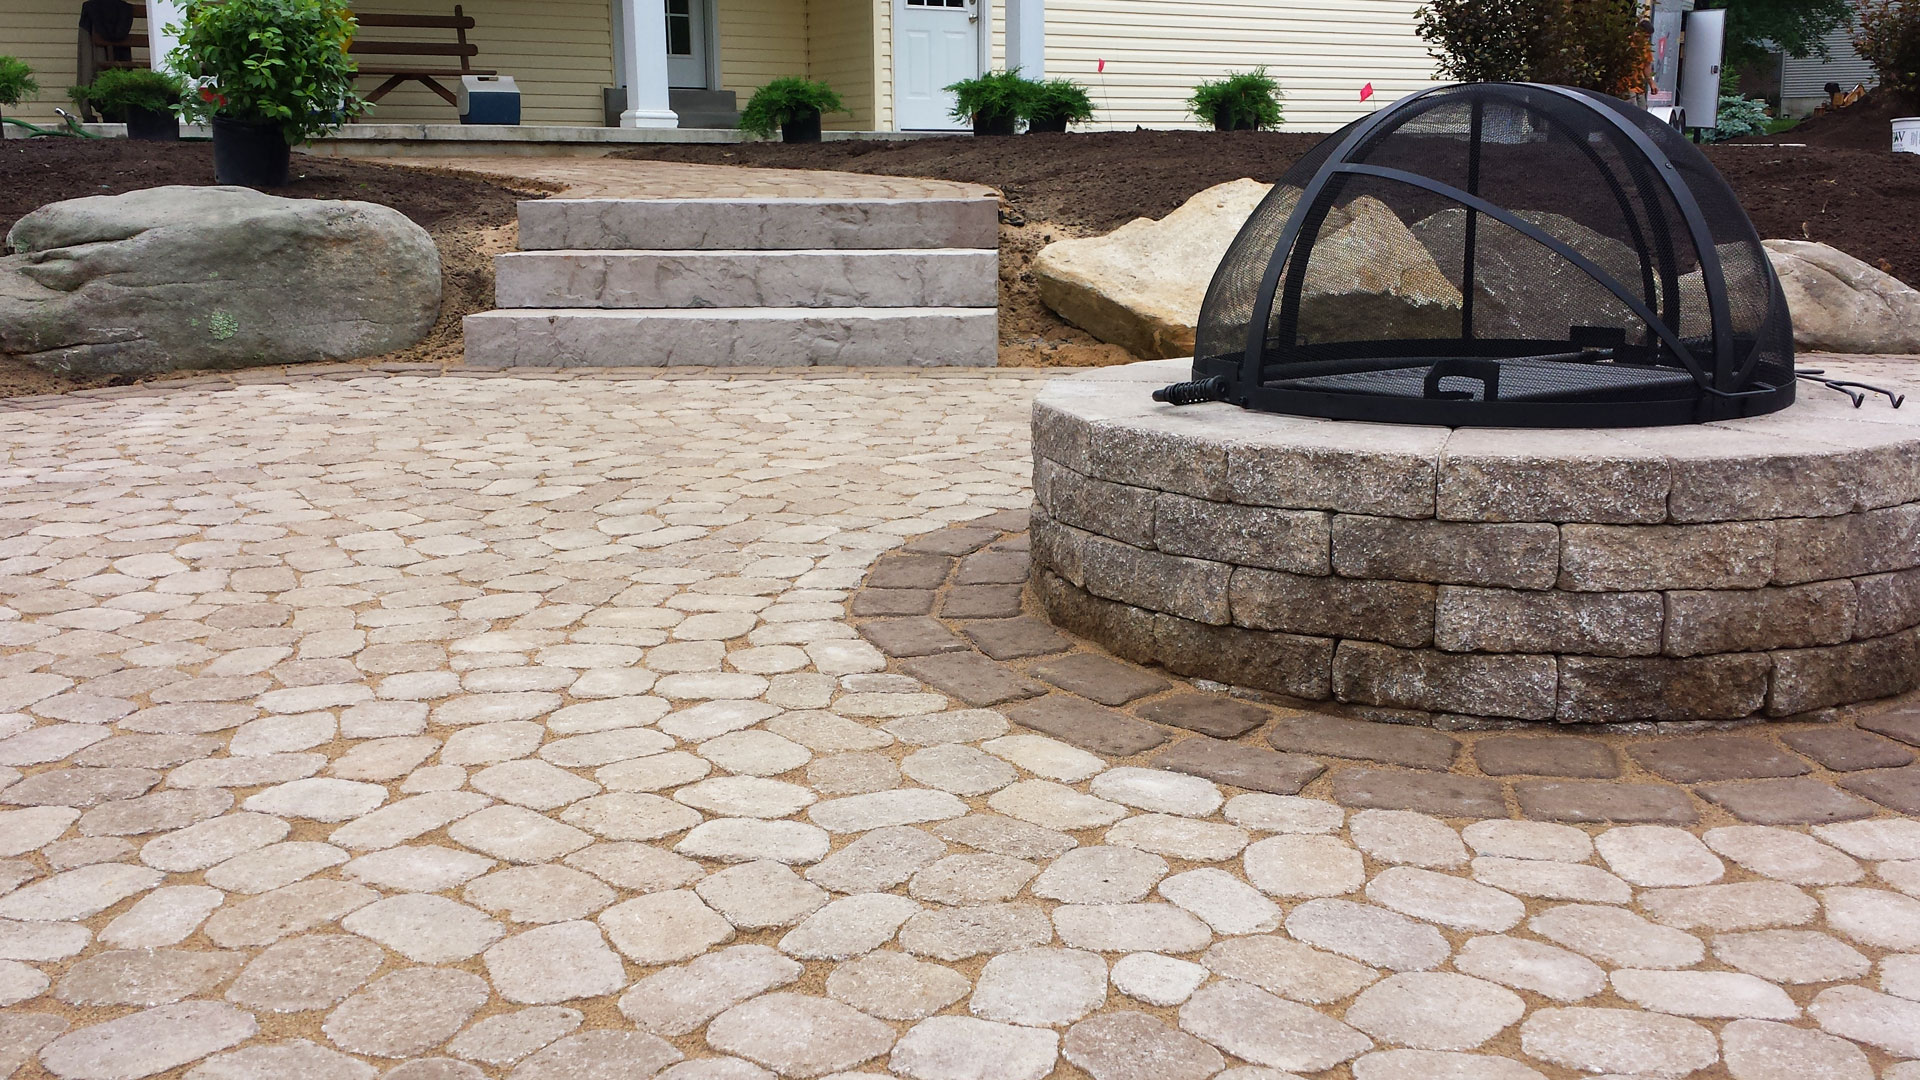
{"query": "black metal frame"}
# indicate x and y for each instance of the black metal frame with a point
(1720, 391)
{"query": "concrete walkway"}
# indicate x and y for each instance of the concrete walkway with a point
(519, 727)
(610, 178)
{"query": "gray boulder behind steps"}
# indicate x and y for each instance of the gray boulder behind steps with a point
(212, 277)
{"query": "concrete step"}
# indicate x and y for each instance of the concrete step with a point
(772, 224)
(919, 277)
(733, 337)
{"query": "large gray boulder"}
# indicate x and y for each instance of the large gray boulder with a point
(212, 277)
(1841, 304)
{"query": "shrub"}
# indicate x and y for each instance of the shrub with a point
(995, 94)
(16, 81)
(783, 100)
(1887, 35)
(1242, 99)
(282, 63)
(116, 90)
(1593, 44)
(1739, 116)
(1060, 99)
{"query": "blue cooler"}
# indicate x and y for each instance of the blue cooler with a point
(488, 99)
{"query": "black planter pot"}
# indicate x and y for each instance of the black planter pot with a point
(249, 155)
(1224, 123)
(993, 124)
(1046, 123)
(153, 125)
(801, 127)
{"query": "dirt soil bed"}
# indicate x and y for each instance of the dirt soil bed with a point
(469, 218)
(1858, 200)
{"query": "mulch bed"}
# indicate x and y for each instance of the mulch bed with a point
(1856, 199)
(469, 218)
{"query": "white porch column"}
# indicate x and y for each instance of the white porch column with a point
(1027, 37)
(160, 15)
(642, 25)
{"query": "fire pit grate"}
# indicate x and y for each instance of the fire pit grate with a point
(1503, 254)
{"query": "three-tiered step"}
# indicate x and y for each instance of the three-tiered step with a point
(774, 282)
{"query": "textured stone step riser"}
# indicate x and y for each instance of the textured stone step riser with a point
(685, 279)
(757, 224)
(754, 337)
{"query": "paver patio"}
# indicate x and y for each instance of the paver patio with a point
(453, 727)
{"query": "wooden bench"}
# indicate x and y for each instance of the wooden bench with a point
(459, 22)
(99, 53)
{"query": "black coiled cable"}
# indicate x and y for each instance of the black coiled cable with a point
(1192, 393)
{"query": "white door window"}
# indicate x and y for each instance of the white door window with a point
(936, 43)
(687, 43)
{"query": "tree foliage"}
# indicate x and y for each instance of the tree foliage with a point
(1594, 44)
(1796, 27)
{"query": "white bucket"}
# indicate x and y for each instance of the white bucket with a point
(1906, 135)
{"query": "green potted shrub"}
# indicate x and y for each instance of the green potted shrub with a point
(1243, 101)
(16, 81)
(1055, 103)
(992, 102)
(143, 100)
(279, 74)
(793, 105)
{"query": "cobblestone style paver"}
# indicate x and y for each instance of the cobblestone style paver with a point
(532, 728)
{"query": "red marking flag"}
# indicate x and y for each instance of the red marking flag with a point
(1366, 92)
(1102, 68)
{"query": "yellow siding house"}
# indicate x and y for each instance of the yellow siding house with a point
(889, 59)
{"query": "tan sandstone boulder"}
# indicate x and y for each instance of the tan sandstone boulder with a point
(1841, 304)
(1141, 286)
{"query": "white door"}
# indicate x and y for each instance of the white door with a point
(936, 43)
(687, 43)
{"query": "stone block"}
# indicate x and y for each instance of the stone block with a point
(1733, 473)
(1492, 474)
(913, 636)
(1293, 664)
(876, 602)
(1716, 757)
(1175, 450)
(1845, 749)
(1119, 511)
(732, 337)
(1059, 548)
(1190, 588)
(1849, 545)
(1125, 630)
(952, 540)
(1808, 679)
(1086, 725)
(707, 279)
(1216, 715)
(1013, 639)
(1241, 766)
(1515, 621)
(1517, 686)
(1900, 723)
(972, 678)
(994, 568)
(1518, 556)
(1888, 603)
(1604, 690)
(1389, 744)
(1263, 536)
(1604, 801)
(1751, 620)
(1628, 558)
(761, 224)
(1396, 612)
(910, 572)
(1440, 794)
(1798, 801)
(1352, 468)
(1100, 678)
(1896, 789)
(1545, 755)
(981, 602)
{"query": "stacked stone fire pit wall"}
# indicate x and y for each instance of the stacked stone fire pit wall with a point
(1711, 572)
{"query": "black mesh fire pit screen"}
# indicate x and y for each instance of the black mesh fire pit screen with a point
(1501, 254)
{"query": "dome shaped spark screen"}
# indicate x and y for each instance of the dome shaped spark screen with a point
(1503, 254)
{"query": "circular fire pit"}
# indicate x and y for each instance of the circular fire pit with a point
(1708, 572)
